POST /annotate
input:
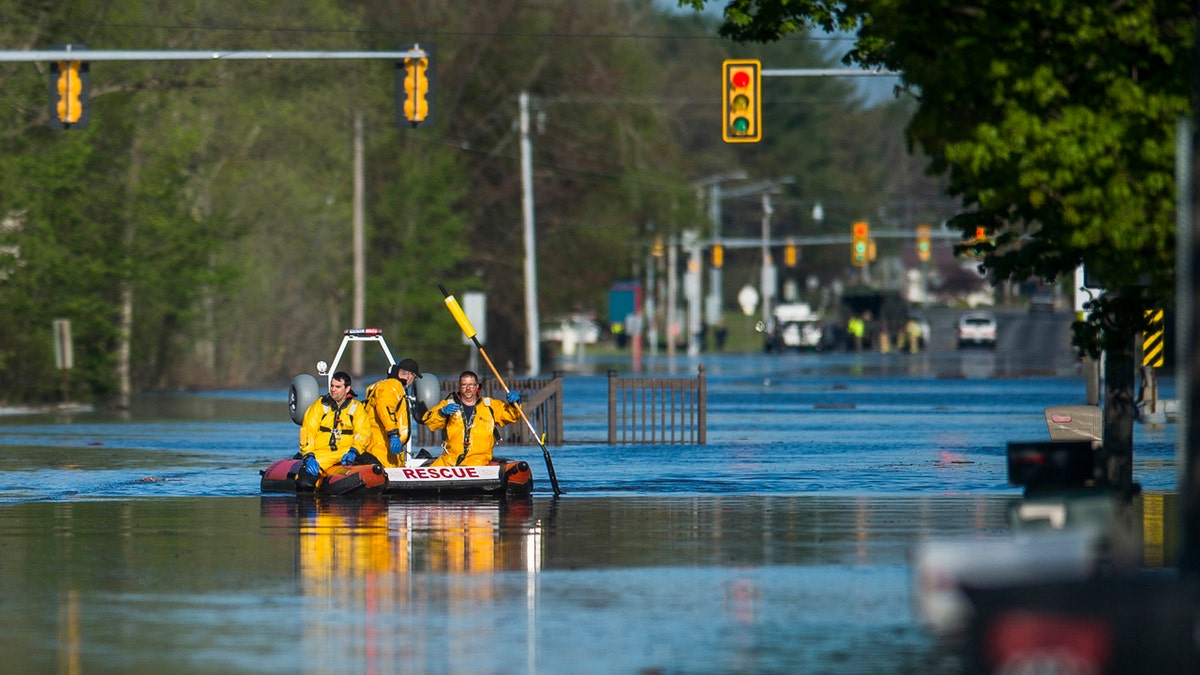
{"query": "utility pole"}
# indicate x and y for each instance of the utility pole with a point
(715, 305)
(767, 280)
(764, 189)
(1187, 296)
(672, 284)
(532, 329)
(360, 272)
(691, 289)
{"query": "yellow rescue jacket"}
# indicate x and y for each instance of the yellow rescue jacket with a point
(470, 438)
(388, 407)
(329, 430)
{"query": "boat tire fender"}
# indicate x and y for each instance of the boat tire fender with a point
(303, 393)
(429, 393)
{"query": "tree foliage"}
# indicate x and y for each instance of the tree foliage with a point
(1053, 121)
(209, 205)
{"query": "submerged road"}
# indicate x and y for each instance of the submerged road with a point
(138, 542)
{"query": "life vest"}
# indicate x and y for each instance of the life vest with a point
(484, 402)
(343, 419)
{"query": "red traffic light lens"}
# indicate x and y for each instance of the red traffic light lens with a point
(740, 78)
(860, 230)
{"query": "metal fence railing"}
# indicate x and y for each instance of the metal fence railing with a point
(657, 410)
(541, 400)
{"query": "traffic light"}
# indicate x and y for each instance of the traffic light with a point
(741, 100)
(860, 248)
(982, 245)
(718, 256)
(414, 80)
(790, 255)
(69, 88)
(923, 244)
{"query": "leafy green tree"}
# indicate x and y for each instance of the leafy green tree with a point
(199, 232)
(1053, 121)
(1055, 124)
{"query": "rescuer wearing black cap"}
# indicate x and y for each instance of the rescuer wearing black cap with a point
(390, 421)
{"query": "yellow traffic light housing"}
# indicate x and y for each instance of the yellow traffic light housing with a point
(860, 243)
(982, 245)
(718, 256)
(415, 87)
(924, 246)
(741, 100)
(790, 254)
(69, 89)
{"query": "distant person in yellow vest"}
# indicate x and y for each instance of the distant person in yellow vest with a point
(470, 423)
(857, 327)
(388, 404)
(333, 425)
(913, 330)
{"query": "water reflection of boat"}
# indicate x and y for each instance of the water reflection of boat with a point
(501, 478)
(352, 538)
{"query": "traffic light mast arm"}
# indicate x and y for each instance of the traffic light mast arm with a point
(94, 55)
(70, 108)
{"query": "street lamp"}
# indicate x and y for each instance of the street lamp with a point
(714, 307)
(765, 189)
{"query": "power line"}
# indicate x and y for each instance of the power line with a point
(434, 33)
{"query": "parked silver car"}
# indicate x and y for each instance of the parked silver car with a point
(977, 329)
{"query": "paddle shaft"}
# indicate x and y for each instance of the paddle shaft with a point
(465, 324)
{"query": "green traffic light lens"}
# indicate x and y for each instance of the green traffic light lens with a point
(741, 125)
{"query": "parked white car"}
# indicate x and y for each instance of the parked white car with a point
(978, 329)
(575, 329)
(794, 326)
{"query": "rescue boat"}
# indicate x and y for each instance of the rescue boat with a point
(501, 478)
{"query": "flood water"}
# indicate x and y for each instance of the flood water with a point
(139, 542)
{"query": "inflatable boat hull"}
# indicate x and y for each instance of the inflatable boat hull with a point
(503, 477)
